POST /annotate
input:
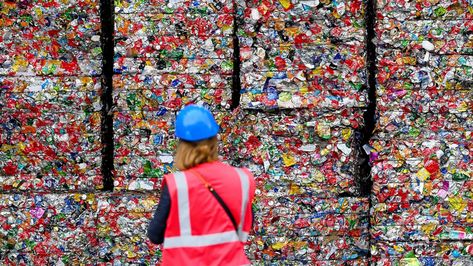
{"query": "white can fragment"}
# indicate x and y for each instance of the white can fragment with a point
(344, 148)
(428, 46)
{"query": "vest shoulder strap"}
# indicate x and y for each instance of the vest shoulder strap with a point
(218, 198)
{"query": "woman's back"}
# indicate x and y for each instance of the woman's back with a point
(204, 214)
(198, 224)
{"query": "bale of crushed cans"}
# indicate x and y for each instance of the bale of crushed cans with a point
(40, 228)
(122, 221)
(71, 228)
(302, 162)
(50, 131)
(302, 54)
(421, 152)
(308, 148)
(167, 55)
(303, 94)
(50, 63)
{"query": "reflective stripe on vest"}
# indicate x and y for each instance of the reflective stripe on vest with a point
(245, 187)
(183, 204)
(186, 239)
(201, 240)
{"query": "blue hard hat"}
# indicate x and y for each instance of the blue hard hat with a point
(195, 123)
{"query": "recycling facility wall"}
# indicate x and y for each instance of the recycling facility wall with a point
(87, 133)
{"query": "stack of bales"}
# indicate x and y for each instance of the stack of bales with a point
(50, 149)
(167, 54)
(422, 149)
(303, 95)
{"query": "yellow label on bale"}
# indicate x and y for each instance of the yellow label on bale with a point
(398, 249)
(19, 63)
(294, 189)
(408, 60)
(288, 160)
(346, 133)
(423, 174)
(317, 71)
(457, 203)
(278, 245)
(286, 4)
(428, 228)
(130, 254)
(324, 152)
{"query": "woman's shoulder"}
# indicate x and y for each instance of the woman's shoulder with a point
(226, 164)
(243, 169)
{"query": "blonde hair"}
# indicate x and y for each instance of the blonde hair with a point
(190, 154)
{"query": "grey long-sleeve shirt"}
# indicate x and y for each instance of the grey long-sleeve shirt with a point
(157, 226)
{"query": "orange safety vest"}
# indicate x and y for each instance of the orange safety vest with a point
(198, 231)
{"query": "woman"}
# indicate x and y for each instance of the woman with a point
(204, 213)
